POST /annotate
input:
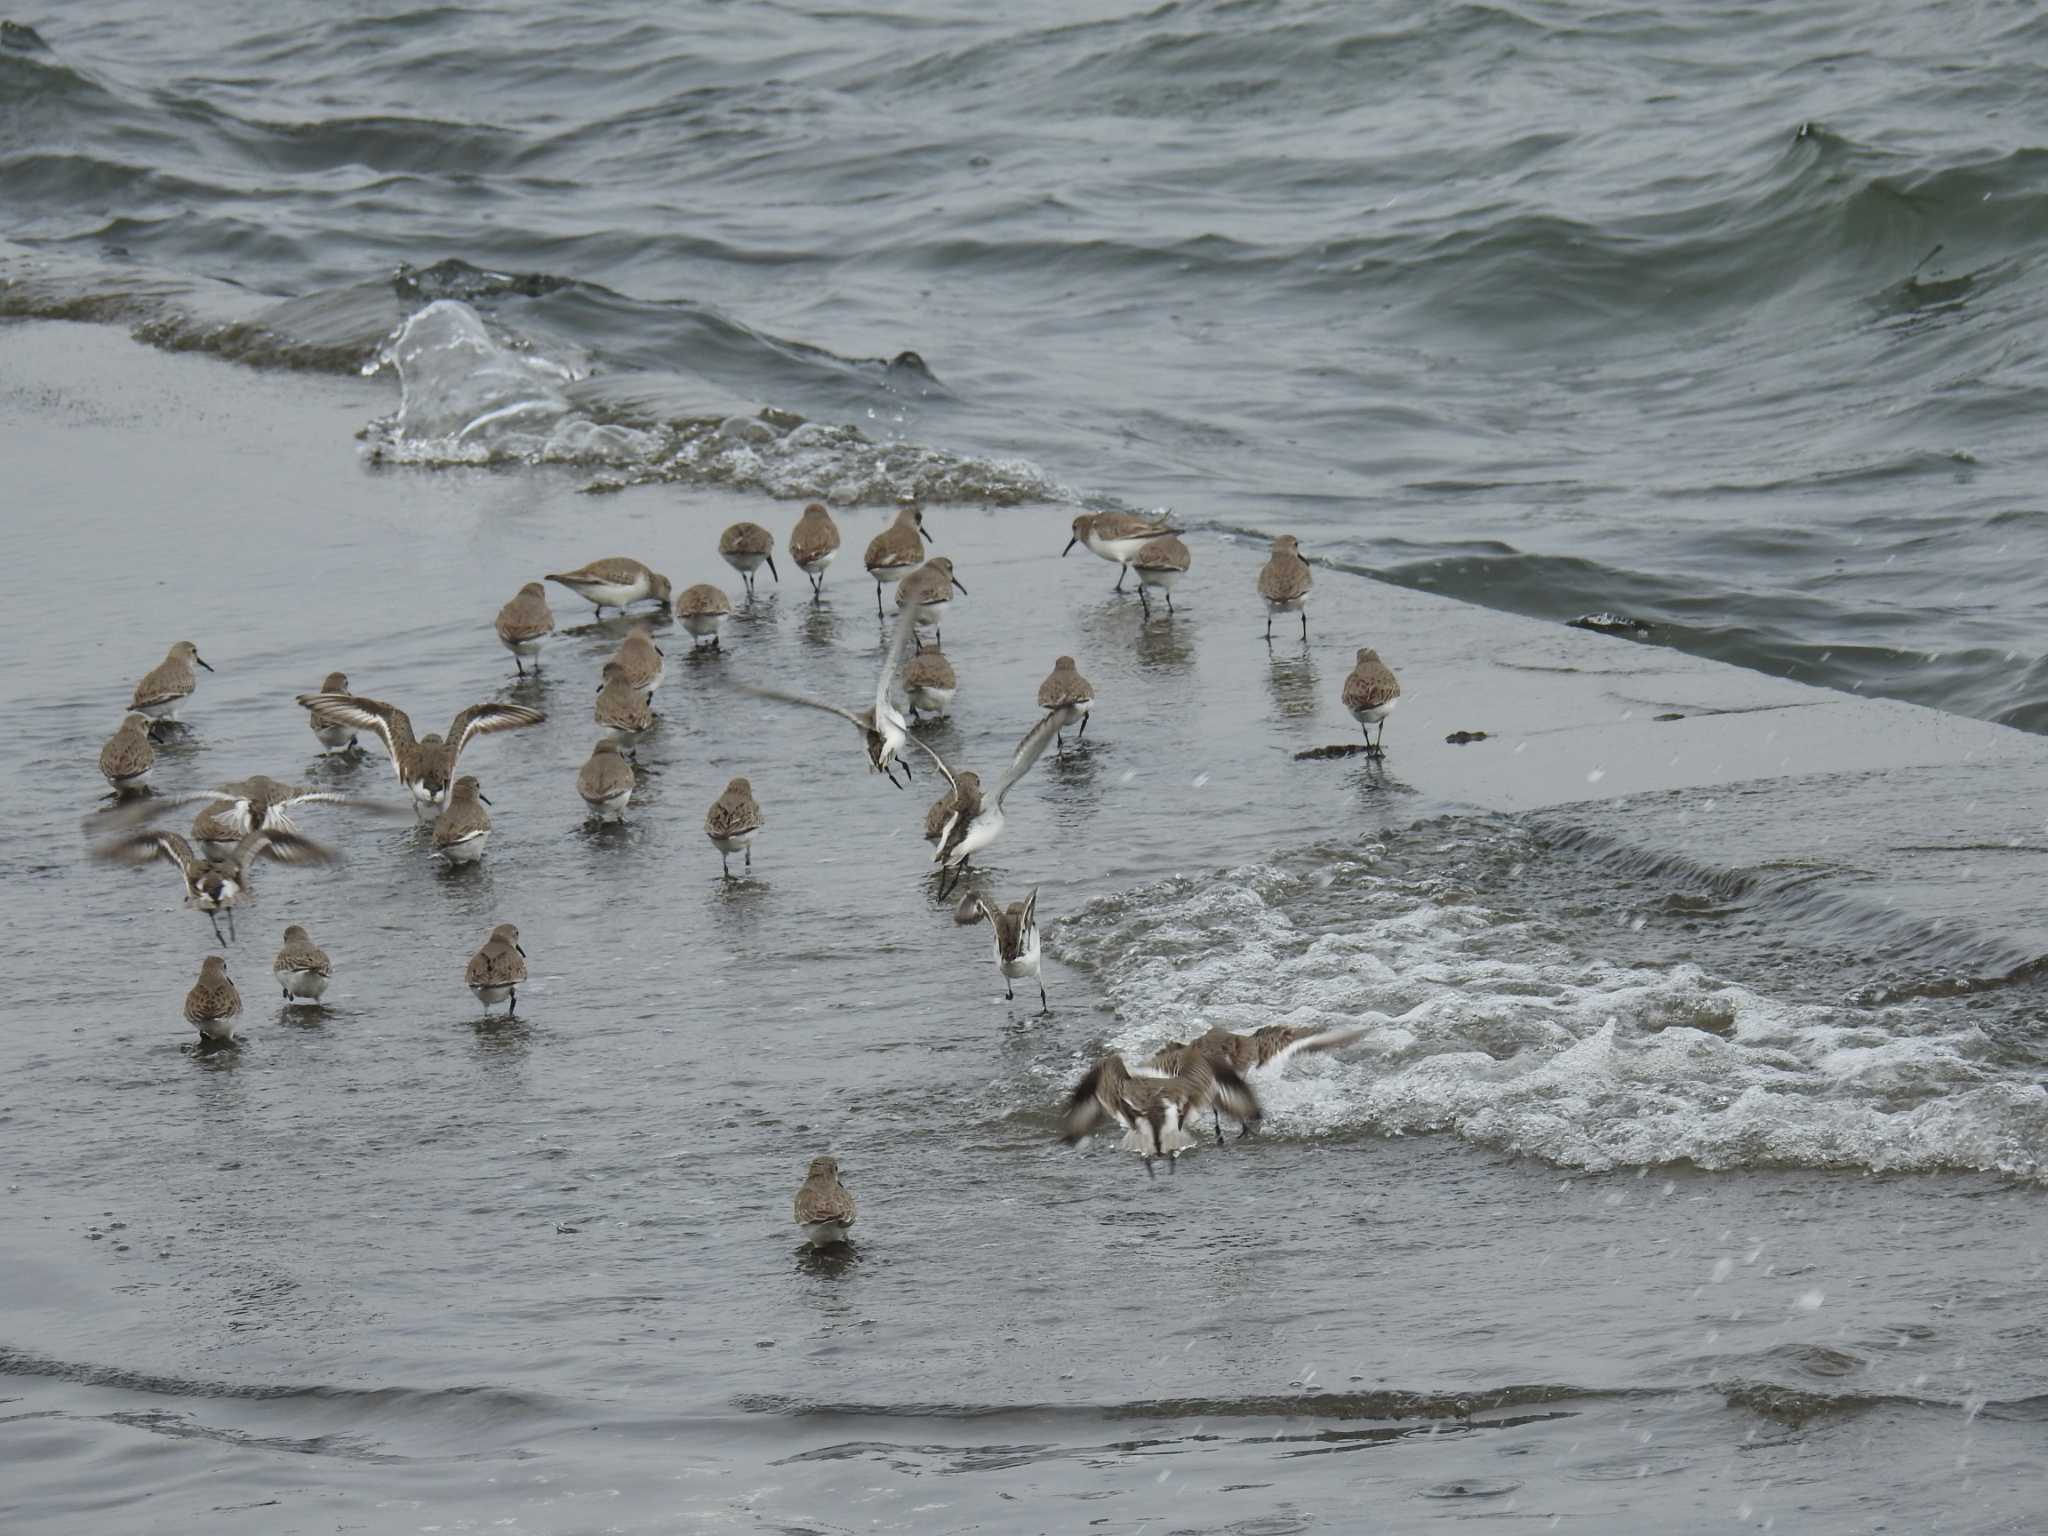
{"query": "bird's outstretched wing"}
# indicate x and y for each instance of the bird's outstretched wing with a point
(779, 697)
(1029, 751)
(483, 719)
(389, 723)
(146, 847)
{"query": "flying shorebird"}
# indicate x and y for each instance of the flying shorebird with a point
(1284, 582)
(746, 547)
(1270, 1046)
(213, 886)
(897, 548)
(813, 544)
(233, 810)
(424, 766)
(522, 625)
(1370, 693)
(614, 582)
(1016, 941)
(1152, 1106)
(977, 820)
(169, 684)
(882, 725)
(1116, 536)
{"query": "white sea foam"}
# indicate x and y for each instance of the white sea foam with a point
(1516, 1033)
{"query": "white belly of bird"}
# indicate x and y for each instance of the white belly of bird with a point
(702, 624)
(1026, 963)
(1163, 580)
(491, 994)
(610, 805)
(167, 710)
(217, 1031)
(746, 565)
(333, 737)
(223, 898)
(733, 844)
(466, 849)
(516, 647)
(814, 567)
(1376, 714)
(612, 596)
(216, 850)
(1286, 605)
(1120, 550)
(822, 1234)
(131, 780)
(302, 984)
(981, 831)
(931, 701)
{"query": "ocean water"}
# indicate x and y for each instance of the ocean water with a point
(1688, 1173)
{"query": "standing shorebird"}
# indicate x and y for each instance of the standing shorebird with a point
(1270, 1046)
(977, 820)
(425, 766)
(214, 886)
(824, 1206)
(1016, 942)
(170, 684)
(746, 547)
(731, 823)
(606, 781)
(1370, 693)
(881, 725)
(643, 662)
(627, 712)
(926, 590)
(1066, 697)
(522, 625)
(333, 735)
(897, 549)
(127, 757)
(1284, 582)
(1154, 1107)
(929, 683)
(1159, 565)
(464, 826)
(496, 969)
(1116, 536)
(813, 544)
(213, 1004)
(703, 610)
(614, 582)
(302, 968)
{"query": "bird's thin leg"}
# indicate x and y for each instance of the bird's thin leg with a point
(1148, 1169)
(1169, 599)
(215, 920)
(878, 599)
(1084, 729)
(1217, 1120)
(1059, 745)
(1173, 1163)
(1008, 995)
(511, 1002)
(519, 664)
(1144, 599)
(231, 926)
(1043, 1005)
(750, 855)
(1304, 623)
(287, 993)
(1269, 629)
(1121, 572)
(725, 864)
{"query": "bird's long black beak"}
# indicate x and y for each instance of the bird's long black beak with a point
(773, 572)
(1070, 544)
(522, 950)
(484, 797)
(956, 582)
(201, 660)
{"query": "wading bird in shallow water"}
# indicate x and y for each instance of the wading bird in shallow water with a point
(302, 968)
(926, 591)
(1016, 940)
(731, 823)
(522, 625)
(813, 544)
(1153, 1107)
(1116, 537)
(170, 684)
(882, 726)
(214, 1003)
(824, 1206)
(463, 829)
(614, 582)
(703, 610)
(1069, 696)
(333, 735)
(896, 549)
(214, 886)
(746, 547)
(1159, 565)
(497, 968)
(1370, 693)
(425, 766)
(977, 820)
(1270, 1046)
(627, 712)
(606, 781)
(929, 683)
(128, 756)
(1284, 582)
(644, 663)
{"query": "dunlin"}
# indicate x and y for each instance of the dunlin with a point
(1152, 1107)
(1370, 693)
(1116, 536)
(1270, 1046)
(464, 827)
(746, 547)
(233, 810)
(824, 1206)
(425, 766)
(1284, 582)
(127, 757)
(627, 712)
(213, 1004)
(333, 735)
(703, 610)
(927, 590)
(881, 725)
(941, 814)
(1065, 697)
(1159, 565)
(1016, 942)
(897, 549)
(731, 823)
(522, 625)
(606, 780)
(212, 834)
(977, 820)
(813, 544)
(614, 582)
(929, 683)
(496, 969)
(643, 661)
(160, 693)
(302, 968)
(214, 886)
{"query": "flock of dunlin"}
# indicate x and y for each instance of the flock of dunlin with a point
(1153, 1102)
